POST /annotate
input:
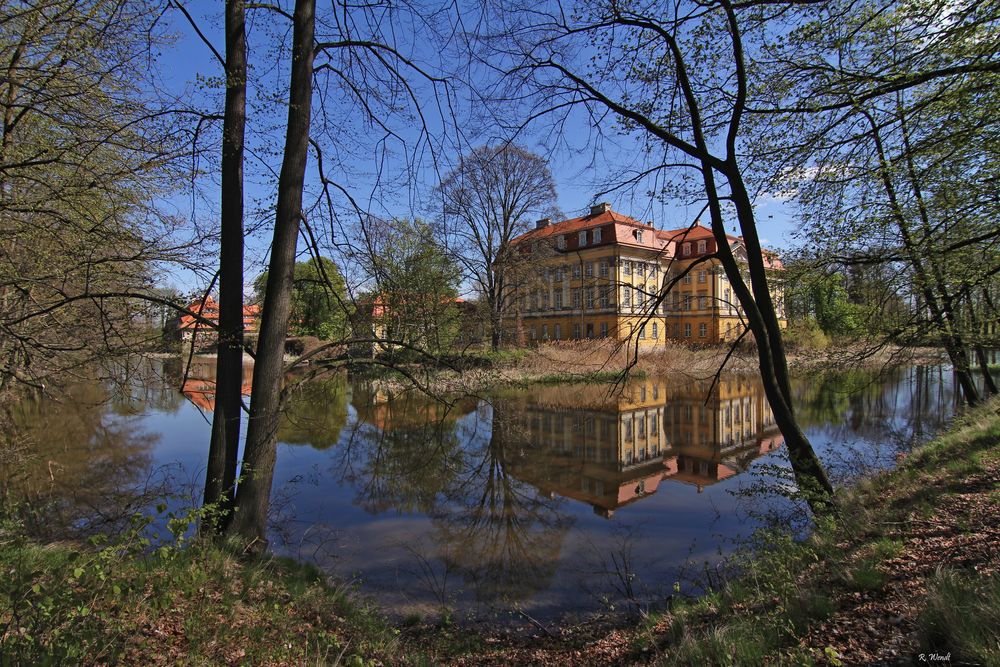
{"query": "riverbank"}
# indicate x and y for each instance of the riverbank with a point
(910, 565)
(606, 361)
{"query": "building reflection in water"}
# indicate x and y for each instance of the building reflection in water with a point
(612, 450)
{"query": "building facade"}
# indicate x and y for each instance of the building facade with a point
(601, 275)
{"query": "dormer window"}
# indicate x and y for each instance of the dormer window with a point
(702, 246)
(597, 235)
(638, 236)
(561, 242)
(686, 249)
(582, 239)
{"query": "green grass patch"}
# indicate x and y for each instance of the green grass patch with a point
(123, 601)
(961, 616)
(595, 377)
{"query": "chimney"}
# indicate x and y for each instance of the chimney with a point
(544, 222)
(649, 223)
(597, 209)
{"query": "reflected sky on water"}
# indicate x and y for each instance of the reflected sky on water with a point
(555, 499)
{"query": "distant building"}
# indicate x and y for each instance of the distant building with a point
(600, 275)
(190, 328)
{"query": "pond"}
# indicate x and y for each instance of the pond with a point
(551, 501)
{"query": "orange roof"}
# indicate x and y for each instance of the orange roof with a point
(622, 231)
(210, 311)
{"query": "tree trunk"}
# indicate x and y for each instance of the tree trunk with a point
(808, 470)
(223, 451)
(249, 521)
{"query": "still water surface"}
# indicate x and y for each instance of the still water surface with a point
(555, 500)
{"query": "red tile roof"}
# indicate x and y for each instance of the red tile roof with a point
(615, 228)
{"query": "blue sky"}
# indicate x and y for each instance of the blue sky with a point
(189, 66)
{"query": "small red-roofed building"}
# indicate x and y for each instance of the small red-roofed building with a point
(202, 330)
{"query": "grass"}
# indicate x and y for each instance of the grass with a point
(785, 587)
(962, 617)
(132, 603)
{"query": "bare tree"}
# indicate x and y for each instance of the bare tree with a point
(673, 75)
(491, 197)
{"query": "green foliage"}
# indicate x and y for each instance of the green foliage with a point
(417, 288)
(319, 299)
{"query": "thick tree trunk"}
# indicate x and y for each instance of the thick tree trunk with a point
(223, 451)
(249, 521)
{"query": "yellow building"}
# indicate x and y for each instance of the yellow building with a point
(601, 275)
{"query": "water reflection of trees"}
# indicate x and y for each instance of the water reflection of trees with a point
(85, 469)
(883, 412)
(501, 534)
(415, 454)
(315, 412)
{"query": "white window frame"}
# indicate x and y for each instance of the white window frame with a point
(561, 242)
(581, 238)
(596, 235)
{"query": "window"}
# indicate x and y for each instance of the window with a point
(576, 332)
(588, 269)
(545, 331)
(534, 300)
(638, 236)
(561, 242)
(604, 268)
(702, 330)
(604, 329)
(702, 246)
(576, 298)
(653, 270)
(677, 331)
(640, 268)
(728, 296)
(596, 234)
(582, 238)
(590, 330)
(687, 330)
(534, 334)
(656, 333)
(576, 270)
(701, 276)
(604, 297)
(545, 300)
(558, 274)
(702, 303)
(628, 436)
(687, 279)
(590, 298)
(663, 306)
(558, 299)
(677, 300)
(627, 267)
(627, 296)
(642, 331)
(686, 249)
(687, 301)
(556, 332)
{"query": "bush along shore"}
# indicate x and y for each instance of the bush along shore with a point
(908, 566)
